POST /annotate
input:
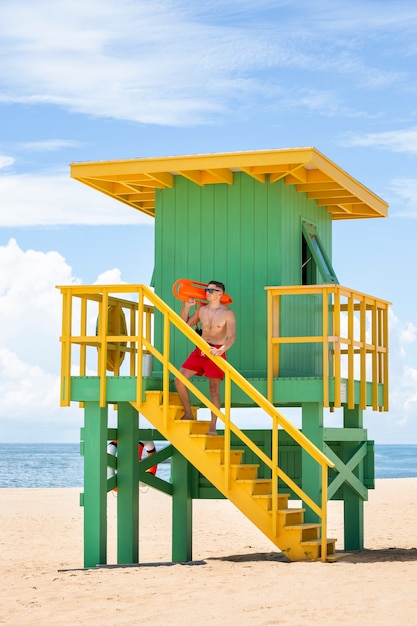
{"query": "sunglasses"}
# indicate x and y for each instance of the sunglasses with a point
(211, 290)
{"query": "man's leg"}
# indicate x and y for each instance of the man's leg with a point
(214, 386)
(183, 393)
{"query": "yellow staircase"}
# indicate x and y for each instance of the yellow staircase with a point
(236, 480)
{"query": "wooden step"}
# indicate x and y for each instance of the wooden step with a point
(337, 556)
(312, 548)
(235, 456)
(194, 427)
(157, 397)
(258, 486)
(265, 501)
(291, 516)
(308, 532)
(175, 407)
(244, 471)
(209, 442)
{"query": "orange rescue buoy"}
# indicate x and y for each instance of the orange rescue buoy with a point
(184, 289)
(148, 446)
(116, 325)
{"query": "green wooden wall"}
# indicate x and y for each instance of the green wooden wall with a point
(247, 235)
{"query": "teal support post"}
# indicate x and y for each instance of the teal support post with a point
(182, 512)
(312, 427)
(95, 484)
(127, 485)
(353, 502)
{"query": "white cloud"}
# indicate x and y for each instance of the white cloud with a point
(48, 145)
(408, 334)
(30, 352)
(179, 63)
(324, 102)
(405, 197)
(56, 199)
(30, 304)
(110, 277)
(394, 140)
(145, 61)
(401, 421)
(26, 389)
(30, 315)
(6, 161)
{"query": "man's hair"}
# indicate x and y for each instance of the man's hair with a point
(218, 284)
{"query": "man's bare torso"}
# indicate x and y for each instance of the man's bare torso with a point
(214, 323)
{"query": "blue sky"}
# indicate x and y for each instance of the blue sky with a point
(100, 80)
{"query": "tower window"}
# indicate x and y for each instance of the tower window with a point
(314, 258)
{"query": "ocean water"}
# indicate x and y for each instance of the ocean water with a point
(60, 465)
(48, 465)
(395, 461)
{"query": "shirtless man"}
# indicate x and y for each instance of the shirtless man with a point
(218, 329)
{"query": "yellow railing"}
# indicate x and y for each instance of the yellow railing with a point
(354, 338)
(138, 342)
(92, 319)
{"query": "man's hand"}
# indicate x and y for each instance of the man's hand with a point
(217, 351)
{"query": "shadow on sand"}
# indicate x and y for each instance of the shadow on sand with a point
(360, 556)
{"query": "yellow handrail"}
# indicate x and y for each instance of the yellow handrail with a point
(354, 326)
(140, 343)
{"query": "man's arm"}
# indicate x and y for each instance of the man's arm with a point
(231, 331)
(185, 312)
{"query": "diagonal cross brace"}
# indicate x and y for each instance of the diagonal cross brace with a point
(346, 471)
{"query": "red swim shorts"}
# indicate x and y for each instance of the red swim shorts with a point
(202, 365)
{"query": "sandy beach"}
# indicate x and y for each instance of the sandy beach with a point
(237, 576)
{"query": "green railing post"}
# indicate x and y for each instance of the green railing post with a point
(353, 502)
(95, 484)
(312, 428)
(127, 485)
(182, 509)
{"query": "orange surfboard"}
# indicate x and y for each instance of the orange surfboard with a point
(184, 289)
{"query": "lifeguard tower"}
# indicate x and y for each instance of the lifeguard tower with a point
(261, 222)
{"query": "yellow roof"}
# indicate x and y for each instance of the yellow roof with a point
(134, 181)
